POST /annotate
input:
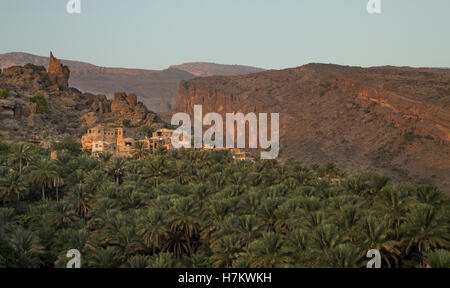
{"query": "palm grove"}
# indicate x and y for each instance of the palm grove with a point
(188, 208)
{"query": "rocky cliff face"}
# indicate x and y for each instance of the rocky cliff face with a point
(63, 111)
(390, 120)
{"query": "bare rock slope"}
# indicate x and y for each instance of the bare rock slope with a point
(391, 120)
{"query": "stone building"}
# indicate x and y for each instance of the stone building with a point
(239, 154)
(161, 137)
(115, 140)
(121, 141)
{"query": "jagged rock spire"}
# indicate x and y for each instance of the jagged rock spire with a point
(58, 72)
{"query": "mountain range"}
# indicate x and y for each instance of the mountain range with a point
(390, 120)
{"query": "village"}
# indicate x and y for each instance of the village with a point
(121, 141)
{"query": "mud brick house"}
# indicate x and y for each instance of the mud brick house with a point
(121, 141)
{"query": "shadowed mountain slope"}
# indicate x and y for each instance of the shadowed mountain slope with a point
(391, 120)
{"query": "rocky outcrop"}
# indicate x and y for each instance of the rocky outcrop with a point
(101, 105)
(7, 107)
(394, 121)
(128, 107)
(16, 108)
(65, 111)
(58, 73)
(123, 103)
(28, 77)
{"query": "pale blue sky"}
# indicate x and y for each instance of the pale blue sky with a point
(154, 34)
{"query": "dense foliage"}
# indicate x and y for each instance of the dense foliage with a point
(41, 102)
(189, 208)
(4, 94)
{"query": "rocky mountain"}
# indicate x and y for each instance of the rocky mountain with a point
(156, 89)
(390, 120)
(36, 105)
(203, 69)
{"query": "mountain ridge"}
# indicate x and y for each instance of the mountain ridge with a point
(157, 89)
(205, 69)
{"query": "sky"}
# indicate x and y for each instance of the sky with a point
(271, 34)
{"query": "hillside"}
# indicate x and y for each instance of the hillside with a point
(38, 106)
(157, 89)
(395, 121)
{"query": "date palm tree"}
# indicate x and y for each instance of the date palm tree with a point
(105, 157)
(8, 220)
(345, 256)
(67, 239)
(374, 235)
(153, 229)
(347, 218)
(80, 200)
(162, 260)
(439, 259)
(26, 248)
(217, 180)
(138, 261)
(120, 232)
(12, 186)
(116, 167)
(21, 154)
(61, 215)
(43, 174)
(104, 258)
(248, 228)
(214, 216)
(140, 151)
(377, 184)
(94, 179)
(58, 182)
(268, 252)
(326, 238)
(184, 172)
(185, 220)
(299, 241)
(225, 251)
(267, 213)
(157, 167)
(429, 195)
(425, 230)
(396, 204)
